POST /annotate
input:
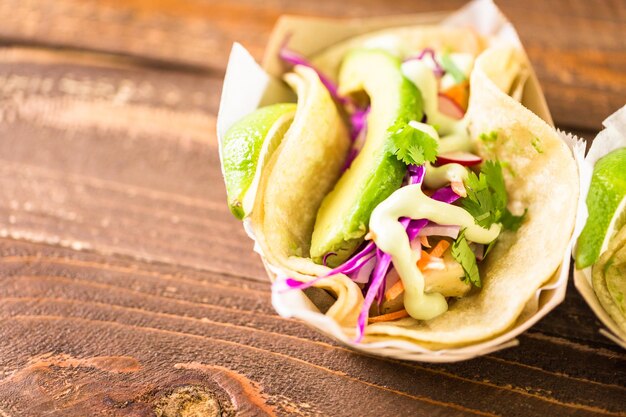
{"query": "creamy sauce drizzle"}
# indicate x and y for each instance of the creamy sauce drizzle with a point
(391, 238)
(410, 201)
(454, 132)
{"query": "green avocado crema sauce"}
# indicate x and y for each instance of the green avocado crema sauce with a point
(454, 132)
(390, 237)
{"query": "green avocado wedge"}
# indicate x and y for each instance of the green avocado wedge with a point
(343, 218)
(246, 147)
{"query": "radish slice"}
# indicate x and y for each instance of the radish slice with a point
(440, 230)
(450, 107)
(462, 158)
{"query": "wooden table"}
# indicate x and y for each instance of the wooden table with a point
(127, 289)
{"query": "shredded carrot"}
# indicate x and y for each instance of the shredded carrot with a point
(425, 259)
(424, 241)
(440, 248)
(459, 93)
(395, 290)
(389, 316)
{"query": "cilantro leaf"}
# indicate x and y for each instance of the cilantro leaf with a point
(487, 198)
(495, 180)
(410, 145)
(450, 67)
(486, 194)
(479, 202)
(464, 255)
(512, 222)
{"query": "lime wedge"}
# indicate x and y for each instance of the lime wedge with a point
(246, 148)
(606, 203)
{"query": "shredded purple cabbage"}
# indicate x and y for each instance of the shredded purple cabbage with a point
(358, 120)
(376, 282)
(351, 266)
(358, 127)
(445, 195)
(362, 275)
(325, 259)
(294, 58)
(416, 174)
(439, 71)
(352, 153)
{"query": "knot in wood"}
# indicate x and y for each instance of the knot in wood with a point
(188, 401)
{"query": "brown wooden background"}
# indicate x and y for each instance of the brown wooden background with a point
(127, 289)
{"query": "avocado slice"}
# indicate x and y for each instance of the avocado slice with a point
(343, 218)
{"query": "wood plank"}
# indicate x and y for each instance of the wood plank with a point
(74, 319)
(589, 61)
(172, 311)
(112, 157)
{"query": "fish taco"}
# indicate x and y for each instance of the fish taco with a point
(408, 192)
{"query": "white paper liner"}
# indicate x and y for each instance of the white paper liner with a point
(247, 86)
(611, 138)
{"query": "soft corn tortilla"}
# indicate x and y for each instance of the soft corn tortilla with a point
(309, 160)
(609, 279)
(302, 170)
(540, 174)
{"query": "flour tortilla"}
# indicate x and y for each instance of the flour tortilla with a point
(609, 279)
(540, 174)
(302, 170)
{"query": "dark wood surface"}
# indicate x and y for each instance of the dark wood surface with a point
(127, 288)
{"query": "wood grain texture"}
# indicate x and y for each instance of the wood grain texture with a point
(575, 46)
(128, 289)
(116, 159)
(88, 332)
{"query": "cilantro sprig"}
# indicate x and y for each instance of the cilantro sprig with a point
(487, 202)
(464, 255)
(487, 198)
(410, 145)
